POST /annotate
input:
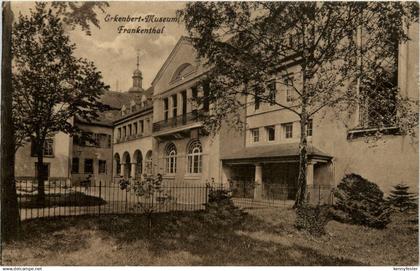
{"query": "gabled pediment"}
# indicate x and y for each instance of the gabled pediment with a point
(181, 65)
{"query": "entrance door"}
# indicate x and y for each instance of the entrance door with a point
(45, 172)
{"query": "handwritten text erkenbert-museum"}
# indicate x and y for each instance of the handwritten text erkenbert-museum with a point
(152, 24)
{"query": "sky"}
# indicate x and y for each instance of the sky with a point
(115, 54)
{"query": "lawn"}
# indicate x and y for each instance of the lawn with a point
(60, 199)
(265, 237)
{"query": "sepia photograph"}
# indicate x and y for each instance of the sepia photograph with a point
(209, 133)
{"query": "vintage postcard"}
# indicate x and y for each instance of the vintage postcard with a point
(153, 133)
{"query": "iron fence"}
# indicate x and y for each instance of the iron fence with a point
(64, 199)
(105, 198)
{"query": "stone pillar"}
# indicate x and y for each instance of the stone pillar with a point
(310, 189)
(179, 98)
(122, 169)
(189, 96)
(114, 163)
(200, 94)
(310, 174)
(170, 106)
(133, 170)
(258, 182)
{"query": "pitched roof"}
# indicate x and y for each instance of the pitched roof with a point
(290, 150)
(115, 99)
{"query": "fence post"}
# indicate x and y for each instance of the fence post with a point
(207, 195)
(126, 200)
(319, 194)
(100, 197)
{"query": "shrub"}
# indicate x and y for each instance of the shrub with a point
(220, 209)
(401, 199)
(360, 201)
(312, 219)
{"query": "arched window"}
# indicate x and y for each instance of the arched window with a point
(148, 163)
(182, 71)
(170, 159)
(195, 157)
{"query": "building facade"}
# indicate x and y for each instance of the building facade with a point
(160, 131)
(183, 150)
(268, 153)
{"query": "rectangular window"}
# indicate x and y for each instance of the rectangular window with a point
(48, 149)
(119, 132)
(271, 133)
(288, 130)
(135, 128)
(255, 135)
(309, 128)
(165, 108)
(272, 92)
(288, 81)
(124, 132)
(103, 140)
(378, 91)
(75, 165)
(174, 105)
(141, 127)
(194, 92)
(76, 140)
(130, 132)
(102, 167)
(88, 166)
(184, 102)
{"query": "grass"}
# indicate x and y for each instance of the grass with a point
(60, 199)
(265, 237)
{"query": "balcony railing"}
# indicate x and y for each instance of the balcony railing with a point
(181, 120)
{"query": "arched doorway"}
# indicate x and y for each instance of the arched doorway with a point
(138, 160)
(127, 165)
(117, 165)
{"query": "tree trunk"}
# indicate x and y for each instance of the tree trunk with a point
(40, 177)
(303, 163)
(10, 220)
(303, 143)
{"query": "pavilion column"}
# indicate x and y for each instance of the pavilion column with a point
(115, 165)
(310, 189)
(189, 96)
(122, 169)
(310, 174)
(258, 182)
(133, 170)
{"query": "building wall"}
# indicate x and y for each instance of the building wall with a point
(387, 162)
(210, 161)
(59, 163)
(95, 153)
